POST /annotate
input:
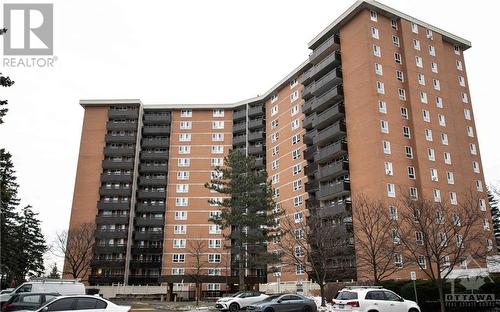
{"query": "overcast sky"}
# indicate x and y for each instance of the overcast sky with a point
(195, 52)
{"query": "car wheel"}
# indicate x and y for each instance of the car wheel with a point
(307, 309)
(269, 310)
(413, 310)
(233, 307)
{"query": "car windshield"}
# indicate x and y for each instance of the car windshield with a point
(271, 298)
(237, 294)
(346, 295)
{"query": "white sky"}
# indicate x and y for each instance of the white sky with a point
(195, 52)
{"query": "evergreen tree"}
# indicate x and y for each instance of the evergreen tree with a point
(4, 82)
(247, 211)
(495, 217)
(54, 273)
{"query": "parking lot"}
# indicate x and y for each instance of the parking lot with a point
(166, 306)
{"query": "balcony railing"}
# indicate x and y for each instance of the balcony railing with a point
(256, 110)
(310, 152)
(329, 62)
(328, 116)
(151, 195)
(240, 114)
(239, 140)
(240, 127)
(151, 130)
(327, 99)
(331, 44)
(119, 151)
(255, 150)
(148, 235)
(102, 205)
(318, 87)
(110, 164)
(116, 177)
(256, 136)
(256, 123)
(332, 151)
(330, 134)
(152, 169)
(111, 234)
(141, 207)
(129, 113)
(160, 181)
(154, 155)
(155, 142)
(149, 221)
(328, 191)
(115, 191)
(120, 138)
(333, 171)
(111, 219)
(157, 118)
(121, 126)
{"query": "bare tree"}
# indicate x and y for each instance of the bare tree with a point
(438, 236)
(316, 246)
(197, 251)
(76, 246)
(373, 229)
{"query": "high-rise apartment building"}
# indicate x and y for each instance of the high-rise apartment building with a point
(381, 106)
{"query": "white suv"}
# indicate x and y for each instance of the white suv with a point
(239, 300)
(372, 299)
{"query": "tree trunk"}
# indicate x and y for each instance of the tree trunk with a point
(441, 295)
(241, 274)
(322, 292)
(197, 293)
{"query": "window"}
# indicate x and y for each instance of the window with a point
(294, 96)
(434, 67)
(486, 225)
(214, 229)
(274, 98)
(274, 123)
(275, 164)
(297, 185)
(218, 112)
(217, 137)
(298, 217)
(404, 112)
(295, 124)
(423, 97)
(442, 120)
(299, 251)
(388, 168)
(380, 87)
(217, 149)
(376, 50)
(457, 50)
(382, 107)
(180, 243)
(297, 201)
(450, 177)
(431, 154)
(428, 134)
(185, 124)
(472, 148)
(375, 33)
(432, 51)
(274, 110)
(182, 188)
(447, 158)
(275, 150)
(213, 286)
(413, 193)
(182, 175)
(402, 94)
(444, 138)
(397, 58)
(453, 198)
(177, 271)
(296, 154)
(461, 81)
(214, 258)
(373, 16)
(384, 126)
(459, 65)
(416, 44)
(64, 304)
(439, 102)
(216, 162)
(419, 238)
(186, 112)
(465, 98)
(391, 190)
(482, 204)
(275, 136)
(387, 147)
(294, 110)
(470, 131)
(467, 114)
(214, 243)
(408, 152)
(394, 24)
(406, 132)
(214, 271)
(400, 76)
(395, 40)
(419, 62)
(475, 167)
(184, 149)
(180, 215)
(179, 229)
(411, 173)
(393, 212)
(436, 84)
(414, 28)
(275, 178)
(183, 162)
(293, 83)
(295, 138)
(421, 79)
(296, 169)
(429, 34)
(184, 137)
(378, 69)
(218, 124)
(426, 115)
(178, 258)
(299, 269)
(434, 175)
(398, 260)
(421, 262)
(181, 201)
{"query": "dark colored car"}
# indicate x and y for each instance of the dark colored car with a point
(27, 301)
(284, 303)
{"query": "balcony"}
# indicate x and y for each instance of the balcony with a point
(150, 222)
(144, 264)
(333, 171)
(111, 219)
(140, 207)
(309, 136)
(106, 279)
(328, 191)
(102, 205)
(115, 191)
(155, 142)
(256, 149)
(240, 127)
(151, 195)
(332, 151)
(153, 169)
(240, 114)
(334, 209)
(311, 169)
(331, 61)
(111, 234)
(148, 235)
(154, 155)
(157, 118)
(121, 126)
(312, 186)
(116, 177)
(158, 181)
(120, 151)
(109, 164)
(147, 250)
(239, 140)
(108, 263)
(129, 113)
(328, 116)
(152, 130)
(256, 123)
(326, 82)
(259, 163)
(256, 111)
(256, 136)
(328, 46)
(120, 138)
(307, 123)
(330, 134)
(328, 99)
(307, 106)
(143, 280)
(107, 249)
(310, 152)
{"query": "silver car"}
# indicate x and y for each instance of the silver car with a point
(284, 303)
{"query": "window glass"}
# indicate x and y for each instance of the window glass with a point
(49, 297)
(61, 304)
(24, 288)
(375, 295)
(391, 296)
(32, 299)
(346, 295)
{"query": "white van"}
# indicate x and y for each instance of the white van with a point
(60, 286)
